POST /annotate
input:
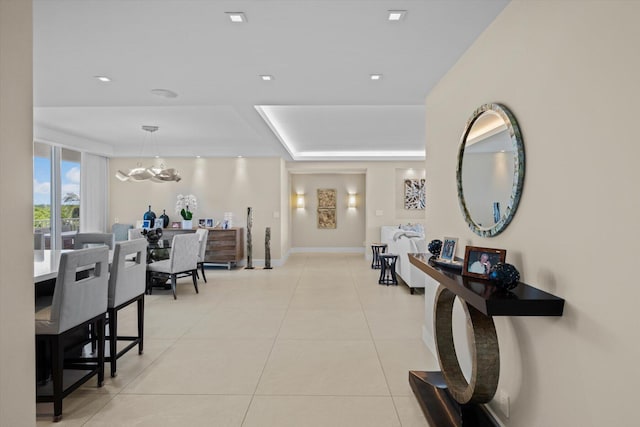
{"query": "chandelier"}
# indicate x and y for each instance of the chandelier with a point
(153, 173)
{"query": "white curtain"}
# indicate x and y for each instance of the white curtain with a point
(94, 193)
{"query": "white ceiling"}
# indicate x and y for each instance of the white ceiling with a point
(321, 104)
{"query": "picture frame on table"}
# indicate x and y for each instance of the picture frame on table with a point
(146, 224)
(478, 260)
(176, 224)
(202, 222)
(448, 251)
(209, 222)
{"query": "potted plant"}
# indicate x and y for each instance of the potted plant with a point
(184, 207)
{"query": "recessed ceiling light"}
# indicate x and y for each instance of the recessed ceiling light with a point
(165, 93)
(237, 17)
(266, 77)
(397, 15)
(103, 79)
(375, 76)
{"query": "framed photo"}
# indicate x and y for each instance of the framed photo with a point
(176, 224)
(209, 222)
(478, 260)
(202, 222)
(146, 223)
(448, 252)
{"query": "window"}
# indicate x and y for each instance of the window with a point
(56, 195)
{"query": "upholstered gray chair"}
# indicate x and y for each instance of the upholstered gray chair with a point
(203, 235)
(135, 233)
(182, 262)
(127, 284)
(120, 231)
(83, 240)
(77, 304)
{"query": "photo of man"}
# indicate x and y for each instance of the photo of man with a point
(482, 265)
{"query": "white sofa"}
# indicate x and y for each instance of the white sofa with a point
(402, 242)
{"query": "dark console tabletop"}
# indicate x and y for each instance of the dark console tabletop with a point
(523, 300)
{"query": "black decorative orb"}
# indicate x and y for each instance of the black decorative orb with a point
(435, 246)
(504, 276)
(153, 235)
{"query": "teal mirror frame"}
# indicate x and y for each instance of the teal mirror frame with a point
(518, 173)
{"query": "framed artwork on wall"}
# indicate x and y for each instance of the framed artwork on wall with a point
(414, 194)
(326, 218)
(327, 208)
(326, 198)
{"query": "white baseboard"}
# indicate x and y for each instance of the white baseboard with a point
(358, 249)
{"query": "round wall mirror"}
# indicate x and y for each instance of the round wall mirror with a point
(490, 170)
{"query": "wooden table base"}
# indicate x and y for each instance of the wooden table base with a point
(440, 408)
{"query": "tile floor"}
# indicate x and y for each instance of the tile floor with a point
(316, 342)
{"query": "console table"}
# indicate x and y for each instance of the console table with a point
(446, 398)
(224, 245)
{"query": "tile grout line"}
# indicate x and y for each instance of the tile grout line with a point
(375, 346)
(275, 339)
(175, 340)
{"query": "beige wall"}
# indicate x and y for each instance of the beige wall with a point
(350, 222)
(17, 361)
(384, 186)
(569, 72)
(220, 185)
(285, 207)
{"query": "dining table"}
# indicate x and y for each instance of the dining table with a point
(46, 262)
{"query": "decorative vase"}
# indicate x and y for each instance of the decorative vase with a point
(164, 218)
(504, 276)
(249, 239)
(187, 224)
(267, 249)
(435, 246)
(149, 215)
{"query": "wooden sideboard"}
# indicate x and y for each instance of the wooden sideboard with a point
(225, 246)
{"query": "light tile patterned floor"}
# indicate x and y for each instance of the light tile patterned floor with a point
(316, 342)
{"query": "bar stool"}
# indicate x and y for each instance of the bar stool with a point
(388, 270)
(377, 249)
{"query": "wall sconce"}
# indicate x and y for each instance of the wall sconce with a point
(351, 202)
(300, 201)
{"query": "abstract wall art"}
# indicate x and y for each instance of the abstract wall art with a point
(414, 194)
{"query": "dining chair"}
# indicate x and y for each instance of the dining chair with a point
(77, 304)
(182, 262)
(121, 231)
(127, 284)
(203, 235)
(135, 233)
(82, 240)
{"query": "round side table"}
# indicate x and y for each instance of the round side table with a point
(388, 270)
(377, 249)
